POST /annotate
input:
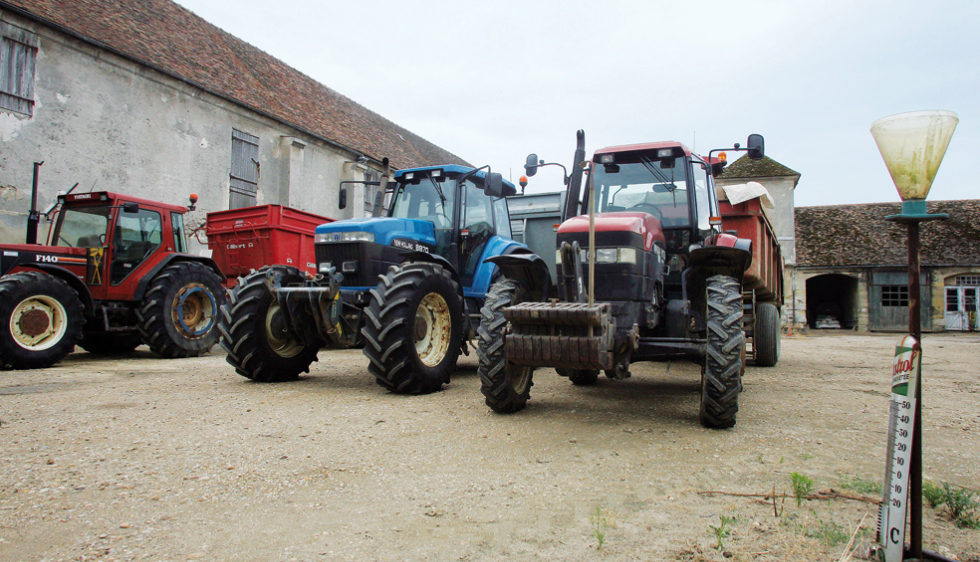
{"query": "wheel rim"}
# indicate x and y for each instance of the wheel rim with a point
(38, 322)
(520, 377)
(277, 335)
(433, 329)
(194, 310)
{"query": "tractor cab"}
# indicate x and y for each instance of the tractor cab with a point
(120, 235)
(452, 214)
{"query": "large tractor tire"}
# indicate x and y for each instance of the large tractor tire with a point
(413, 328)
(506, 386)
(766, 335)
(178, 316)
(110, 343)
(255, 334)
(41, 320)
(721, 379)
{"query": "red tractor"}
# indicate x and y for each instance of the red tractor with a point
(645, 273)
(115, 273)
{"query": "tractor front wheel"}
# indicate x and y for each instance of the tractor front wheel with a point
(179, 312)
(413, 328)
(254, 331)
(41, 318)
(721, 379)
(506, 386)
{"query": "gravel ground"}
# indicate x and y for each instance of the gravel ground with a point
(140, 458)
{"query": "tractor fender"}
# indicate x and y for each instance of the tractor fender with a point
(412, 255)
(706, 262)
(487, 271)
(722, 260)
(167, 260)
(68, 277)
(528, 268)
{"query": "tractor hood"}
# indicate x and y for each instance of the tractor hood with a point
(645, 225)
(384, 231)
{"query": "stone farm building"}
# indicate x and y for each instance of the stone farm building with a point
(852, 267)
(145, 98)
(847, 267)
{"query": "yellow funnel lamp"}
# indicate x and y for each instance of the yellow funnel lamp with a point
(913, 145)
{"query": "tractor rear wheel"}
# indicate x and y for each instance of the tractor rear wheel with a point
(721, 379)
(179, 312)
(110, 343)
(254, 331)
(507, 387)
(41, 319)
(413, 328)
(766, 335)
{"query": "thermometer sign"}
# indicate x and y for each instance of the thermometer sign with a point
(901, 425)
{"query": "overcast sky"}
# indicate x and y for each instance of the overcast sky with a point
(494, 81)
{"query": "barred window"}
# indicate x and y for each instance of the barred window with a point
(18, 54)
(894, 295)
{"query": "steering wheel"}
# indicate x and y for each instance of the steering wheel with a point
(649, 209)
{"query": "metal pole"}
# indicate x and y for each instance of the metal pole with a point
(915, 466)
(33, 217)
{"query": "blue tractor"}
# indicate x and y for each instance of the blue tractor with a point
(406, 284)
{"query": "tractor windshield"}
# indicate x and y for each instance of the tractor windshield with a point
(82, 227)
(638, 183)
(430, 199)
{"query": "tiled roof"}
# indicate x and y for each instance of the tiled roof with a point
(746, 167)
(856, 235)
(171, 39)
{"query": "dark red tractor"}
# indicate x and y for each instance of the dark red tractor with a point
(114, 273)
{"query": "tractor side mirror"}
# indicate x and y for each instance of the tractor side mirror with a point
(131, 207)
(531, 165)
(756, 147)
(342, 198)
(494, 185)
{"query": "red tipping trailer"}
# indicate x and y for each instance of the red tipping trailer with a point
(248, 238)
(762, 282)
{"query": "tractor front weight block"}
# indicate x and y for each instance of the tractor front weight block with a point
(569, 335)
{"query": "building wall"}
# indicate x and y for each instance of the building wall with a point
(933, 294)
(111, 124)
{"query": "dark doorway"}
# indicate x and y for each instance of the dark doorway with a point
(831, 301)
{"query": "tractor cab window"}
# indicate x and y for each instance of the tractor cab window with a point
(477, 228)
(429, 199)
(501, 218)
(135, 237)
(82, 227)
(638, 183)
(699, 177)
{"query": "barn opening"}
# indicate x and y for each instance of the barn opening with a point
(831, 301)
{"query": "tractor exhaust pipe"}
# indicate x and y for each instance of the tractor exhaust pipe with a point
(34, 217)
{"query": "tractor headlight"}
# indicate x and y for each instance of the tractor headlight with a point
(607, 255)
(328, 237)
